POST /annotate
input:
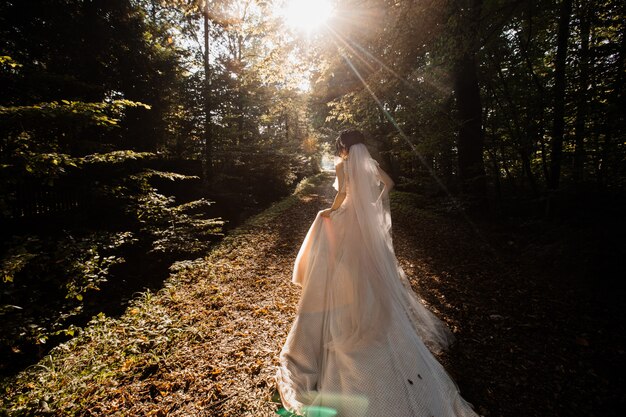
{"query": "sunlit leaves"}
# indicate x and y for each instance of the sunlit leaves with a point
(105, 114)
(53, 165)
(175, 228)
(115, 157)
(15, 260)
(8, 64)
(172, 176)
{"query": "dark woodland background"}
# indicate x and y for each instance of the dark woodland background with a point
(134, 133)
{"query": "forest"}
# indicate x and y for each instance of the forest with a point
(136, 135)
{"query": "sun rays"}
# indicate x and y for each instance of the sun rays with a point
(305, 15)
(310, 16)
(344, 45)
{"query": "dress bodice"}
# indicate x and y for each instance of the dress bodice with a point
(345, 186)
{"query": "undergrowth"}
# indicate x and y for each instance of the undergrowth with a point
(109, 353)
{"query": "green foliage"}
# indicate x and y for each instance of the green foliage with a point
(104, 114)
(15, 260)
(63, 270)
(175, 229)
(96, 98)
(43, 273)
(114, 157)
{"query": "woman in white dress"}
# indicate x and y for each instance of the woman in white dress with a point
(362, 342)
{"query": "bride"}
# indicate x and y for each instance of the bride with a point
(361, 342)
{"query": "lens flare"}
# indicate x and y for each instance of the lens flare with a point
(306, 15)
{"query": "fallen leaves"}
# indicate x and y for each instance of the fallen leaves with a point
(207, 344)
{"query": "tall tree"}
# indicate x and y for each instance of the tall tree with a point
(583, 85)
(207, 160)
(558, 125)
(467, 93)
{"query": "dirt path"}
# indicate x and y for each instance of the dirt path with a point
(207, 343)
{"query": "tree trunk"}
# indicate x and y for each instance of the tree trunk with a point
(558, 126)
(544, 157)
(469, 106)
(286, 127)
(523, 144)
(581, 108)
(470, 138)
(614, 121)
(240, 106)
(208, 125)
(496, 174)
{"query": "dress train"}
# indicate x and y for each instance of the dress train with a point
(361, 343)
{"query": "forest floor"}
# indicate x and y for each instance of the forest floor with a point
(530, 342)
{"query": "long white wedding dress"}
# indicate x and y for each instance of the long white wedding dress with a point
(361, 342)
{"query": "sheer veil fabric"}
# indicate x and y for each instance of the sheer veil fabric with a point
(362, 342)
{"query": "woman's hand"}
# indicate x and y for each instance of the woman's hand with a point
(326, 212)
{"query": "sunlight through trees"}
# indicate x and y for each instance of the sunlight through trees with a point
(140, 129)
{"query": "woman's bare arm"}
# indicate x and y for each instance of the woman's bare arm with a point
(387, 181)
(338, 200)
(341, 195)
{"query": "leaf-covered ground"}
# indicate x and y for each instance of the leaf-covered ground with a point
(207, 343)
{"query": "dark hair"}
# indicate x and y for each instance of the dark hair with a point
(348, 138)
